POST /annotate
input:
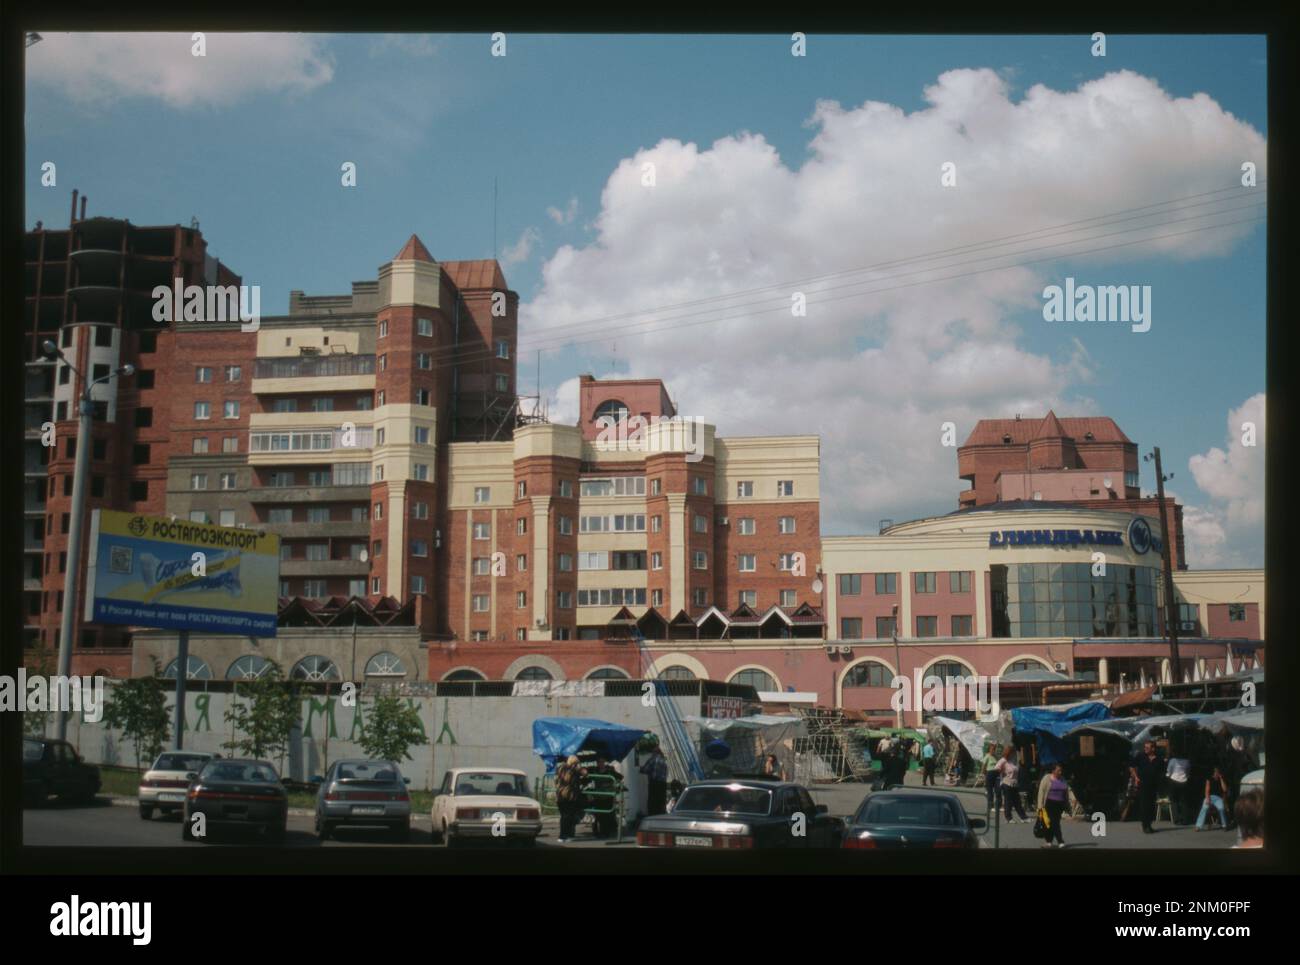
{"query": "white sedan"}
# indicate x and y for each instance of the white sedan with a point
(485, 802)
(163, 786)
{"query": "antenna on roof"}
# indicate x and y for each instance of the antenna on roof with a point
(494, 218)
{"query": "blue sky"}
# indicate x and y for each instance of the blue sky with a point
(250, 139)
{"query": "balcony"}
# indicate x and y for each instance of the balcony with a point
(308, 530)
(279, 495)
(313, 568)
(308, 373)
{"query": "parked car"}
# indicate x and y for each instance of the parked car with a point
(237, 794)
(361, 793)
(890, 820)
(163, 786)
(742, 813)
(473, 802)
(53, 767)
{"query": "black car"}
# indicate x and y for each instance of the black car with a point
(742, 813)
(53, 767)
(924, 819)
(237, 794)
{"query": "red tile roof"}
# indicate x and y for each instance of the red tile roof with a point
(469, 275)
(989, 432)
(414, 250)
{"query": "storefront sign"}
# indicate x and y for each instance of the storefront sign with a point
(723, 707)
(1142, 538)
(1056, 537)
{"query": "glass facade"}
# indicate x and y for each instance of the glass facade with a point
(1066, 600)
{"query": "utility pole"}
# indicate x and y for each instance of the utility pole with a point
(85, 412)
(898, 663)
(1171, 598)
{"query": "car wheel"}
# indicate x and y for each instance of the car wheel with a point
(146, 812)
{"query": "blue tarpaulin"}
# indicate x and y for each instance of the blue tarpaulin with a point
(1049, 725)
(558, 737)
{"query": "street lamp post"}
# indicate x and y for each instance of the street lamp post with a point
(85, 413)
(1171, 597)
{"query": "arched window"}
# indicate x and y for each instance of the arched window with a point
(195, 669)
(676, 672)
(385, 664)
(947, 669)
(611, 410)
(754, 678)
(1025, 665)
(534, 673)
(315, 668)
(607, 673)
(464, 674)
(873, 673)
(248, 667)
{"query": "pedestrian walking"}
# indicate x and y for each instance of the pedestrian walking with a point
(656, 771)
(928, 763)
(1054, 798)
(989, 764)
(568, 795)
(1009, 771)
(1216, 791)
(1146, 772)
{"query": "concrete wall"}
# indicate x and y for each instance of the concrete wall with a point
(462, 731)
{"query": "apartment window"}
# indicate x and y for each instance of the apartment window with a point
(284, 405)
(521, 526)
(363, 403)
(785, 525)
(959, 581)
(502, 383)
(286, 551)
(374, 585)
(701, 524)
(656, 597)
(424, 326)
(566, 525)
(381, 396)
(746, 527)
(65, 374)
(279, 515)
(140, 491)
(202, 410)
(377, 548)
(202, 374)
(923, 582)
(144, 378)
(1236, 612)
(103, 336)
(746, 563)
(655, 487)
(884, 628)
(318, 514)
(745, 488)
(564, 600)
(927, 626)
(379, 472)
(482, 494)
(961, 626)
(360, 514)
(200, 445)
(564, 563)
(788, 598)
(417, 585)
(566, 488)
(421, 472)
(655, 524)
(420, 510)
(230, 444)
(140, 455)
(785, 487)
(199, 480)
(318, 552)
(701, 596)
(281, 479)
(380, 435)
(227, 480)
(482, 530)
(356, 587)
(322, 404)
(886, 584)
(699, 486)
(521, 490)
(99, 449)
(97, 486)
(198, 516)
(234, 373)
(423, 360)
(701, 559)
(521, 599)
(521, 563)
(227, 517)
(383, 329)
(656, 561)
(148, 343)
(383, 362)
(851, 628)
(61, 411)
(785, 562)
(423, 397)
(420, 547)
(521, 634)
(422, 436)
(143, 417)
(850, 584)
(748, 598)
(503, 349)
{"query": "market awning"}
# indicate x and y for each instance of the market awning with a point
(558, 737)
(1133, 698)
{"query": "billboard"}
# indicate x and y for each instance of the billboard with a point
(156, 571)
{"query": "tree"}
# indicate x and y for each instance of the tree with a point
(265, 715)
(138, 707)
(392, 727)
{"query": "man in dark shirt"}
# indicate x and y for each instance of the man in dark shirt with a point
(1147, 772)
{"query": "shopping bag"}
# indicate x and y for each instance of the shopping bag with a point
(1043, 824)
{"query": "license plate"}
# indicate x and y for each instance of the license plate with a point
(164, 796)
(692, 841)
(357, 809)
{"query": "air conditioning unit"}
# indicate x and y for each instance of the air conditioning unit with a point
(1059, 666)
(830, 649)
(1186, 626)
(845, 648)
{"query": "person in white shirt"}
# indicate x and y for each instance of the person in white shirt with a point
(1009, 769)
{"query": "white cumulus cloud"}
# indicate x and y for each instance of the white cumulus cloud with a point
(1233, 478)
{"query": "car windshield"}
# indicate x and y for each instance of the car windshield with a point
(180, 762)
(32, 750)
(726, 799)
(491, 782)
(369, 772)
(253, 773)
(915, 811)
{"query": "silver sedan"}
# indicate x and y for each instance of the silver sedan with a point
(360, 793)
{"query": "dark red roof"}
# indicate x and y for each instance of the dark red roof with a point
(470, 275)
(990, 432)
(414, 250)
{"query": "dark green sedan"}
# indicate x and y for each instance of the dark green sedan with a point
(912, 819)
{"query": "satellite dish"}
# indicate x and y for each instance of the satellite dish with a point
(1106, 482)
(364, 556)
(817, 586)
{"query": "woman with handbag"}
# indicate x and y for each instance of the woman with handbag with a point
(1053, 799)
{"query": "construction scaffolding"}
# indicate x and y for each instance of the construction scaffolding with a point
(833, 749)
